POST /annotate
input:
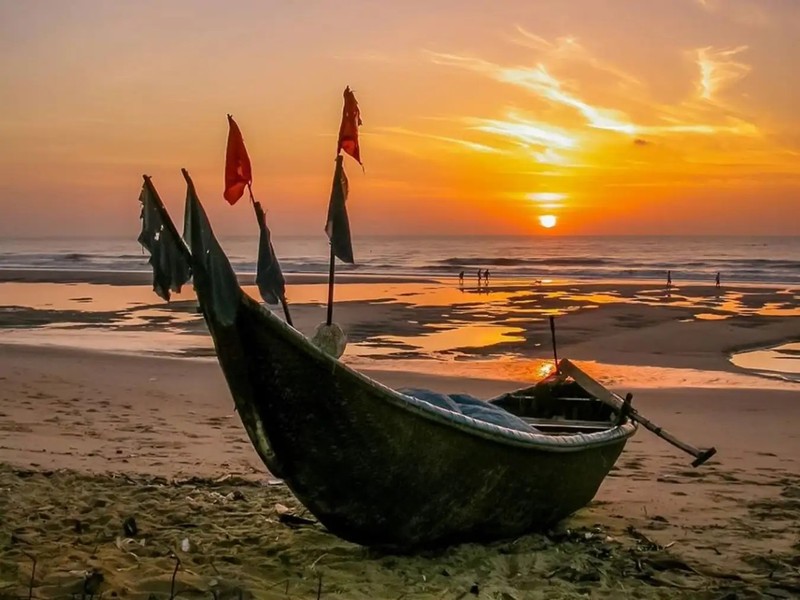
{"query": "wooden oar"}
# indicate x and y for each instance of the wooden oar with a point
(596, 389)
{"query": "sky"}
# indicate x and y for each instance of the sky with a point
(676, 117)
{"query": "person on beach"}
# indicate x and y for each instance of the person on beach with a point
(717, 280)
(480, 274)
(669, 279)
(461, 278)
(486, 276)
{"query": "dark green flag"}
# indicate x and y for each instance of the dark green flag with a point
(214, 279)
(337, 226)
(169, 256)
(269, 277)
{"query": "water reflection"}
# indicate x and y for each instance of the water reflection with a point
(442, 338)
(779, 361)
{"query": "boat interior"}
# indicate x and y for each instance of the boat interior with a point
(558, 407)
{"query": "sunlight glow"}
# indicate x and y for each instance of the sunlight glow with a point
(546, 196)
(547, 221)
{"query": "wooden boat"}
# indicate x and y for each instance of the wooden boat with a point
(383, 468)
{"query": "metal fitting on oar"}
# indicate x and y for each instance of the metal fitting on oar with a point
(704, 456)
(625, 409)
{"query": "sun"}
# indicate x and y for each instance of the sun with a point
(547, 221)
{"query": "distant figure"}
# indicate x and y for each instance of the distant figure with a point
(480, 274)
(717, 279)
(669, 279)
(486, 276)
(461, 278)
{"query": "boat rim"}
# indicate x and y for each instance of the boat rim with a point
(572, 442)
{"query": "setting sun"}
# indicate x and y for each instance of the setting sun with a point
(547, 221)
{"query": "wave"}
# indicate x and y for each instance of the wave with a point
(519, 262)
(696, 260)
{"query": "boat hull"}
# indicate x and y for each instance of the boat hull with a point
(375, 472)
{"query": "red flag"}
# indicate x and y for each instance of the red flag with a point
(348, 130)
(237, 164)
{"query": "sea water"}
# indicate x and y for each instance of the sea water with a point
(768, 260)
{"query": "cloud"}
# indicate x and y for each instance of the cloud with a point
(718, 69)
(526, 131)
(568, 50)
(466, 144)
(541, 82)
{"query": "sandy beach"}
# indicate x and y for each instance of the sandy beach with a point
(100, 423)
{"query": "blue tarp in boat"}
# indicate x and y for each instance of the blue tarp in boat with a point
(470, 406)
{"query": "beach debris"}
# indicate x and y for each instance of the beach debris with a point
(319, 558)
(286, 517)
(474, 589)
(185, 545)
(33, 574)
(643, 540)
(294, 521)
(129, 527)
(174, 573)
(124, 544)
(92, 581)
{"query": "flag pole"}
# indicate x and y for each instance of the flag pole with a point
(331, 273)
(282, 297)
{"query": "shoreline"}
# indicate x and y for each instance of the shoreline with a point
(434, 327)
(609, 373)
(145, 277)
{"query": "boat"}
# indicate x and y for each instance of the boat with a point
(392, 469)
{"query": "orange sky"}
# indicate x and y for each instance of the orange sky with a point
(616, 116)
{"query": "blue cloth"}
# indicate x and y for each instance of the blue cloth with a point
(472, 407)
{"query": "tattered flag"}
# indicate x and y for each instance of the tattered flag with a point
(269, 278)
(169, 256)
(337, 226)
(348, 130)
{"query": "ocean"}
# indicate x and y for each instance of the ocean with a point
(774, 260)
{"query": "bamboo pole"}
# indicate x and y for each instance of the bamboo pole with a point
(331, 274)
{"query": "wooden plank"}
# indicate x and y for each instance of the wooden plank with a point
(594, 387)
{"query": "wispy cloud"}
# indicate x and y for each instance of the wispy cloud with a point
(567, 49)
(588, 116)
(541, 82)
(527, 131)
(464, 144)
(718, 69)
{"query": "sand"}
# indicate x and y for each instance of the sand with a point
(90, 438)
